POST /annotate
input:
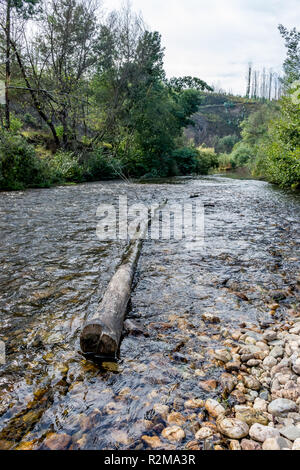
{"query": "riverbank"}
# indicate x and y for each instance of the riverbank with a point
(237, 173)
(262, 377)
(244, 173)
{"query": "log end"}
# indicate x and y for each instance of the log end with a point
(90, 338)
(95, 342)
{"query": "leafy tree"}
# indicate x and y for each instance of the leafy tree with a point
(101, 89)
(191, 160)
(119, 74)
(19, 165)
(279, 153)
(64, 51)
(225, 144)
(23, 9)
(242, 154)
(54, 63)
(255, 127)
(187, 82)
(291, 64)
(141, 113)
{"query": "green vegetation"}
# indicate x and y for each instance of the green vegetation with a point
(189, 160)
(88, 100)
(278, 158)
(65, 166)
(19, 165)
(95, 100)
(254, 130)
(270, 137)
(225, 144)
(218, 119)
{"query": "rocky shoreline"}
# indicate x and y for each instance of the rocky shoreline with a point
(260, 404)
(257, 401)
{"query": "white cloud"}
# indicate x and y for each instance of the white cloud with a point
(215, 39)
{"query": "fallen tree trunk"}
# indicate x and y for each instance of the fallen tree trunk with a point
(101, 334)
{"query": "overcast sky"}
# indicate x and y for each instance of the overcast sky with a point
(215, 39)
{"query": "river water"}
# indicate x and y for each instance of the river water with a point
(54, 270)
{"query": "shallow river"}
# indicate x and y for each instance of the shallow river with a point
(54, 270)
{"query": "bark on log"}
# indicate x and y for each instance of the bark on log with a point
(101, 334)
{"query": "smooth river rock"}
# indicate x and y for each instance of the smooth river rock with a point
(290, 432)
(173, 433)
(249, 444)
(251, 382)
(210, 318)
(260, 433)
(57, 441)
(270, 361)
(228, 382)
(296, 366)
(233, 428)
(234, 445)
(296, 329)
(296, 445)
(161, 410)
(281, 406)
(260, 405)
(194, 403)
(203, 433)
(251, 416)
(175, 418)
(276, 352)
(154, 441)
(223, 355)
(276, 443)
(214, 408)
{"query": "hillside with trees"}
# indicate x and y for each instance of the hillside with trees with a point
(219, 116)
(88, 99)
(85, 98)
(270, 144)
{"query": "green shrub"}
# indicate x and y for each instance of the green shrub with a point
(15, 124)
(189, 160)
(225, 144)
(59, 131)
(65, 167)
(30, 120)
(153, 174)
(279, 154)
(100, 166)
(186, 159)
(19, 165)
(255, 127)
(225, 162)
(206, 160)
(242, 154)
(132, 161)
(280, 164)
